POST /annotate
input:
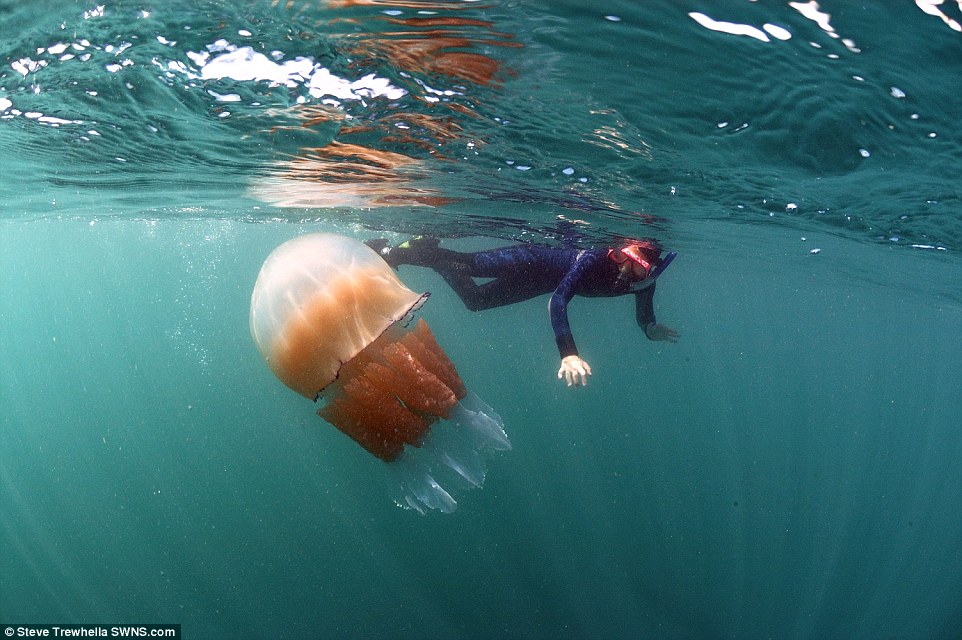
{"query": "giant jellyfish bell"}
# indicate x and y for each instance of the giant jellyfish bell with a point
(333, 322)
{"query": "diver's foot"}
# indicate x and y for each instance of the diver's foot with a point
(380, 245)
(408, 252)
(383, 248)
(420, 242)
(415, 251)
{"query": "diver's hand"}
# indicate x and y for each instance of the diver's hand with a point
(574, 370)
(660, 332)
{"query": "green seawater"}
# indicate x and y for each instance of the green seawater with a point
(788, 469)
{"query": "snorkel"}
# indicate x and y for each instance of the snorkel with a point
(660, 269)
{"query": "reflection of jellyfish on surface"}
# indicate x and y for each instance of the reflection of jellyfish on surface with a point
(347, 175)
(329, 317)
(374, 153)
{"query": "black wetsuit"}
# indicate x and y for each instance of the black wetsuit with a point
(527, 271)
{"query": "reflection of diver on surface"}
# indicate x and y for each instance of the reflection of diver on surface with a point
(526, 271)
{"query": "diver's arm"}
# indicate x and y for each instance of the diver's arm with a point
(645, 306)
(645, 315)
(558, 310)
(574, 370)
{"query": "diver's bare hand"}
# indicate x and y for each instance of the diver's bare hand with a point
(574, 370)
(661, 333)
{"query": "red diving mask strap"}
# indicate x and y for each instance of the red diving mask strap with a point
(640, 266)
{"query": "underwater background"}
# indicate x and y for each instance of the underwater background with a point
(789, 468)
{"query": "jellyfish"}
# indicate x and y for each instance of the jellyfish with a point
(335, 324)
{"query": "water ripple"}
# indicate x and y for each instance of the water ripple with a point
(485, 116)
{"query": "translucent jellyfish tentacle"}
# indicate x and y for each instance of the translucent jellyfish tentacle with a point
(466, 471)
(418, 488)
(451, 458)
(434, 496)
(473, 413)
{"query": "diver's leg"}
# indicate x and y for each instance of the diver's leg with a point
(425, 252)
(499, 292)
(465, 286)
(514, 270)
(453, 266)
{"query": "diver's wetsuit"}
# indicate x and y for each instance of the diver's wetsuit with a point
(527, 271)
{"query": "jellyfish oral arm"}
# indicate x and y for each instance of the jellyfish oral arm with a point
(454, 455)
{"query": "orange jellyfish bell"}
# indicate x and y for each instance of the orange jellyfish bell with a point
(330, 318)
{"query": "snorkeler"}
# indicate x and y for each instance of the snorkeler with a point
(523, 272)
